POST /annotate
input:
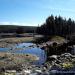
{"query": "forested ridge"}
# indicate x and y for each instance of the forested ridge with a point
(14, 28)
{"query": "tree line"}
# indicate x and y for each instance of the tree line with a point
(57, 26)
(16, 29)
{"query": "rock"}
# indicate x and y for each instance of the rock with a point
(66, 55)
(27, 71)
(55, 67)
(54, 56)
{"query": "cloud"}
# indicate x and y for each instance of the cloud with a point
(4, 23)
(62, 9)
(17, 23)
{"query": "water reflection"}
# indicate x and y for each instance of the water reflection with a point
(28, 48)
(31, 48)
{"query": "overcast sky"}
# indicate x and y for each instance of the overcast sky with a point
(34, 12)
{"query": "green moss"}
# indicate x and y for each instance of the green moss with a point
(58, 39)
(67, 65)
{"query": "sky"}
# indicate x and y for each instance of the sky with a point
(34, 12)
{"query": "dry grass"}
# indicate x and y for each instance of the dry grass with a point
(16, 39)
(58, 39)
(8, 42)
(15, 59)
(8, 59)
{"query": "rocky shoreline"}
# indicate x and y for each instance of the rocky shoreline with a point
(62, 63)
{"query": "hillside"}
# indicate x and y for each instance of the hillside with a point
(13, 28)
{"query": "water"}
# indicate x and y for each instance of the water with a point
(29, 48)
(4, 49)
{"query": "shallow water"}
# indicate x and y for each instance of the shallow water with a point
(28, 48)
(3, 49)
